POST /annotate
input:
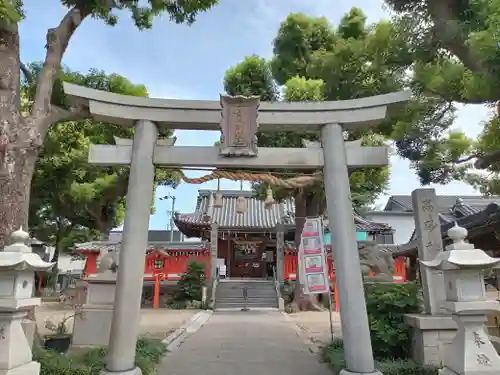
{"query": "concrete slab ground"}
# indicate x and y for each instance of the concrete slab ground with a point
(155, 323)
(244, 343)
(315, 325)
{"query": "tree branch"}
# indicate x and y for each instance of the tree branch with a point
(27, 74)
(453, 98)
(57, 42)
(55, 116)
(484, 161)
(444, 15)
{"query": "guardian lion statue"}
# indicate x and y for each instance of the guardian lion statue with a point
(107, 261)
(376, 265)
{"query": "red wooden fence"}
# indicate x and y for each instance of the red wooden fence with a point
(173, 264)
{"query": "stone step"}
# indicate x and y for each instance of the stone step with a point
(242, 305)
(229, 299)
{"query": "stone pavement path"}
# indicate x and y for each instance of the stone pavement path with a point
(244, 343)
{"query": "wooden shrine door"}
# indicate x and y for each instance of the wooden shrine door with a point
(247, 259)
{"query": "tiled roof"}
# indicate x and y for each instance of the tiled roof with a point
(256, 216)
(448, 205)
(153, 236)
(114, 245)
(478, 220)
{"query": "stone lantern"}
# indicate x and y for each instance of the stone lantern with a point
(463, 267)
(17, 266)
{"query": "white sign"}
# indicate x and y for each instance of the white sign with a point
(312, 258)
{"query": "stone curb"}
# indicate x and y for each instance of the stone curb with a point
(313, 346)
(176, 338)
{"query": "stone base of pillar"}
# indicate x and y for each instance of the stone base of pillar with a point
(135, 371)
(29, 328)
(347, 372)
(31, 368)
(93, 324)
(431, 337)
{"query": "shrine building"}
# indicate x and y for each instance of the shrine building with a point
(246, 238)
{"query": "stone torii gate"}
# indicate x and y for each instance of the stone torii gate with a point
(240, 119)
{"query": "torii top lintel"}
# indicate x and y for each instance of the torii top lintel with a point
(206, 114)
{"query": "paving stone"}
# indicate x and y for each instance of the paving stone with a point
(244, 343)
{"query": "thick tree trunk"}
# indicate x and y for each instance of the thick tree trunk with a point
(17, 157)
(20, 138)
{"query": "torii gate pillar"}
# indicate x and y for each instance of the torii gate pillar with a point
(127, 303)
(353, 314)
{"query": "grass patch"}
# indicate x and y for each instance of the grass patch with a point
(90, 362)
(333, 355)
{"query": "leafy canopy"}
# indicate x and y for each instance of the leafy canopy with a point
(315, 61)
(70, 198)
(142, 13)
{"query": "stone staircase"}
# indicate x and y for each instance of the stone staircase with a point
(261, 294)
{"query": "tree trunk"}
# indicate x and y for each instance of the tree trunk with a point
(305, 206)
(17, 157)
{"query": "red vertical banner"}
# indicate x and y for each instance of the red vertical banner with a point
(312, 258)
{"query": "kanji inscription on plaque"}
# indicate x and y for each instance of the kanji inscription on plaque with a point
(239, 125)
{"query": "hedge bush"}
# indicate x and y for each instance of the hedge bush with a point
(333, 355)
(91, 362)
(387, 303)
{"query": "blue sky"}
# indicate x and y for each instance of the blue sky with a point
(177, 61)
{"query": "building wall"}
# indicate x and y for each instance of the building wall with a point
(403, 224)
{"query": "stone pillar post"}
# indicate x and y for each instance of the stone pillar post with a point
(354, 319)
(280, 253)
(430, 244)
(126, 313)
(214, 242)
(93, 326)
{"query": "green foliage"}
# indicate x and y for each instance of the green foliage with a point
(71, 200)
(455, 47)
(299, 37)
(333, 355)
(251, 77)
(387, 303)
(11, 11)
(91, 362)
(142, 12)
(191, 283)
(454, 51)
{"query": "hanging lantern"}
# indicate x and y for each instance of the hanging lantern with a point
(269, 202)
(241, 205)
(218, 196)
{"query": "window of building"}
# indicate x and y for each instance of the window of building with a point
(384, 238)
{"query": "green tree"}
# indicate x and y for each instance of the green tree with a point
(22, 136)
(72, 200)
(455, 48)
(352, 61)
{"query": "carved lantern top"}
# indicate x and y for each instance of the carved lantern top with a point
(239, 125)
(19, 257)
(460, 254)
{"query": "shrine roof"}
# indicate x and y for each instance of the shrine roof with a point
(256, 216)
(476, 222)
(451, 207)
(114, 245)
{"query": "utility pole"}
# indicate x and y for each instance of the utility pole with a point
(172, 220)
(172, 212)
